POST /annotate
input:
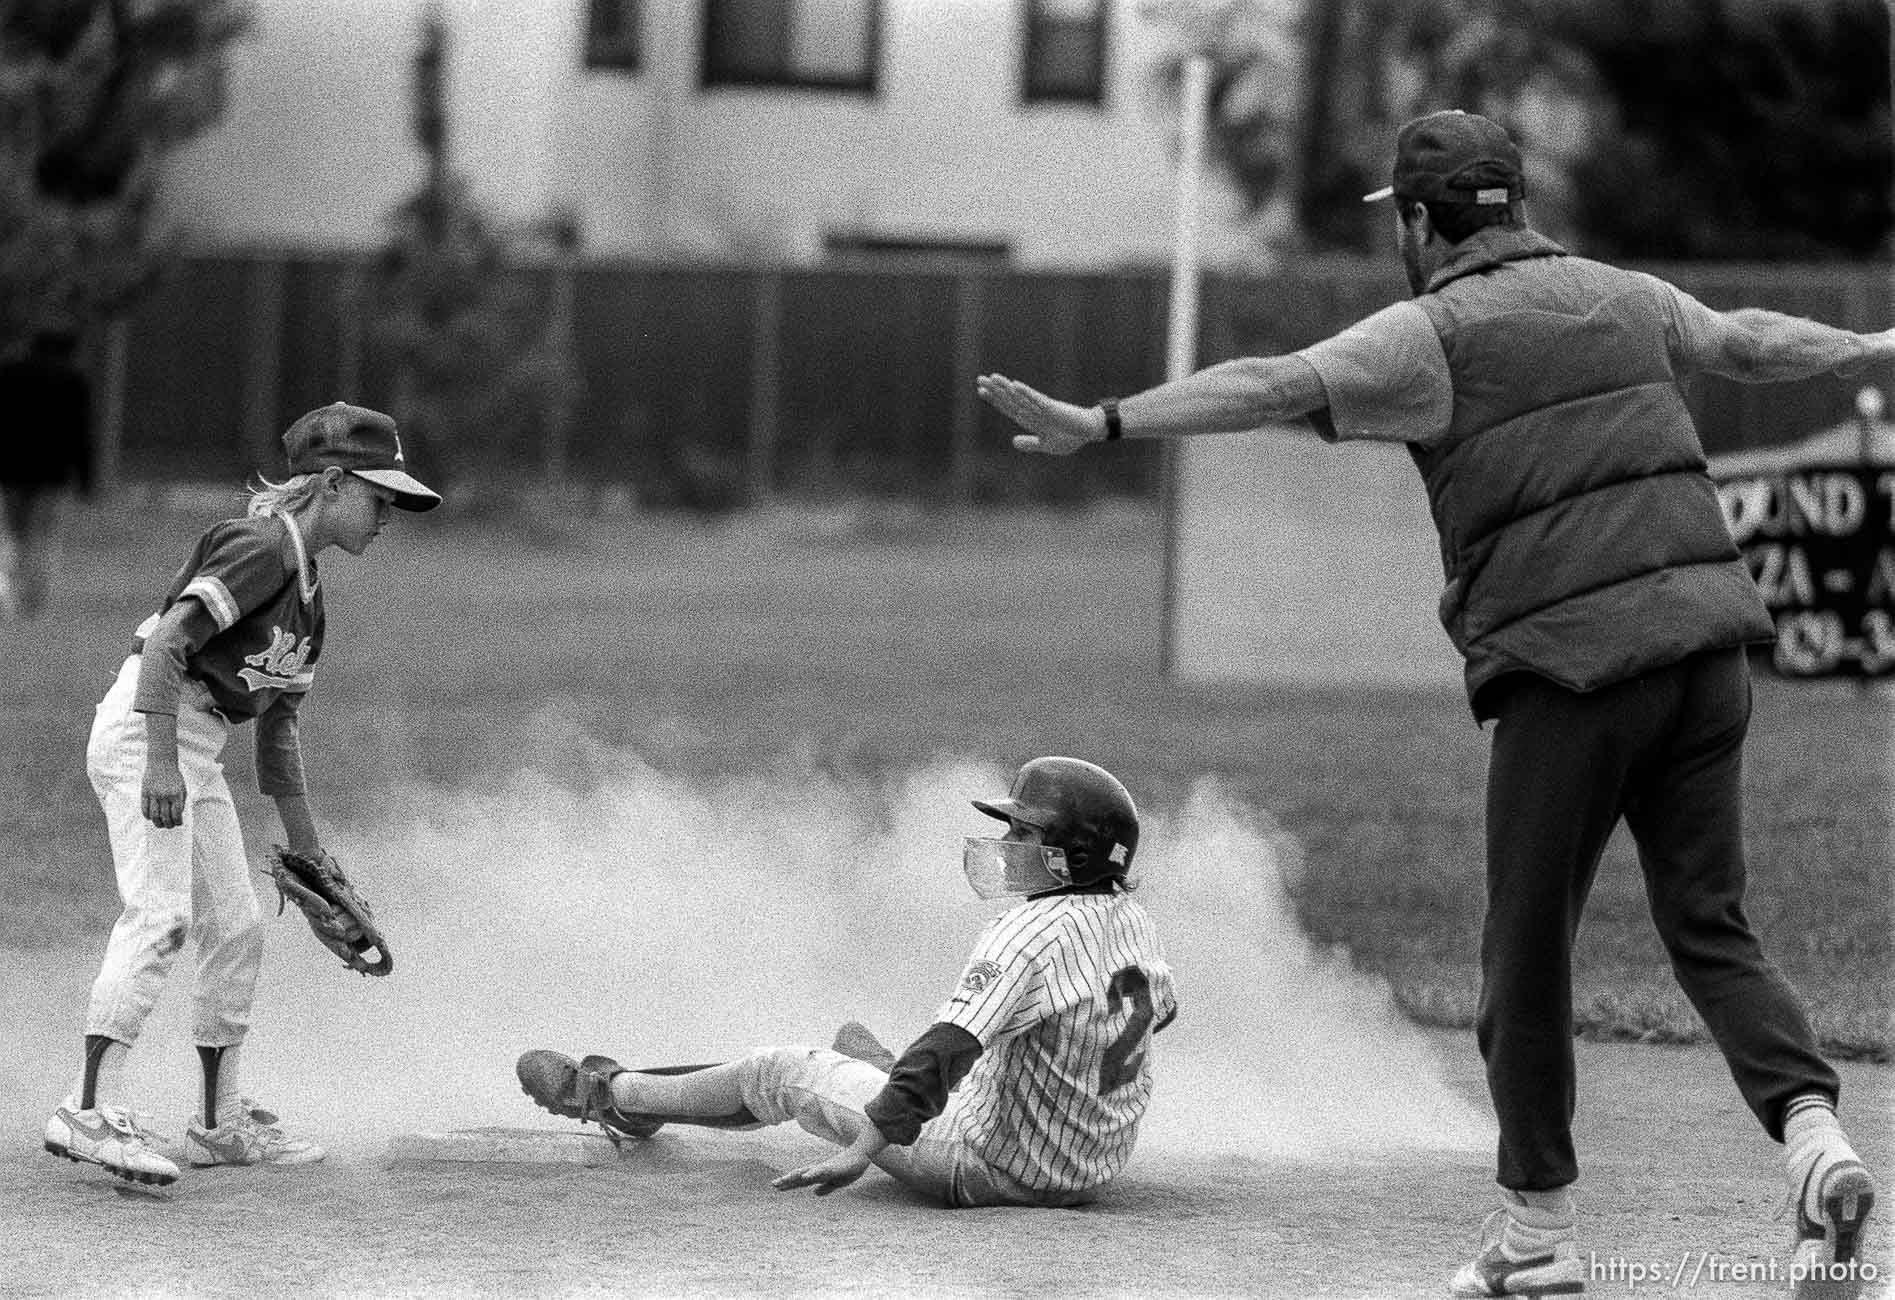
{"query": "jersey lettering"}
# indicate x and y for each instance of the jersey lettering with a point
(278, 666)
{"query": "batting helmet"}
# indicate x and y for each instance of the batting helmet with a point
(1077, 807)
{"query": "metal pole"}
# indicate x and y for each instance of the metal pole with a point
(1181, 353)
(1181, 348)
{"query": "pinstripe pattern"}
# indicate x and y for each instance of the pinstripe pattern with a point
(1037, 993)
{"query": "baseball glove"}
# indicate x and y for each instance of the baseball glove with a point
(335, 911)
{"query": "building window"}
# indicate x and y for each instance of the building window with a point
(1064, 52)
(612, 34)
(816, 44)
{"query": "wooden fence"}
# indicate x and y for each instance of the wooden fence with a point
(712, 385)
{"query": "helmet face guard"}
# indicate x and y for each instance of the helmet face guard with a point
(1080, 809)
(1013, 868)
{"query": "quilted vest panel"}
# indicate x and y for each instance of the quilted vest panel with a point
(1581, 538)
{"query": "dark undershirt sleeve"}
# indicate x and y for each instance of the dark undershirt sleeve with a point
(181, 633)
(919, 1082)
(279, 750)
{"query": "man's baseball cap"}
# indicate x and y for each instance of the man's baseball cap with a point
(1454, 157)
(362, 441)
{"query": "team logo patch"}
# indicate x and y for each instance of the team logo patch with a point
(979, 976)
(282, 665)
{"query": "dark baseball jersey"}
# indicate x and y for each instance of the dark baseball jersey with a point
(258, 582)
(1063, 994)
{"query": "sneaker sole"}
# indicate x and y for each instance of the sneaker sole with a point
(203, 1158)
(564, 1112)
(1848, 1196)
(1528, 1289)
(1847, 1200)
(147, 1177)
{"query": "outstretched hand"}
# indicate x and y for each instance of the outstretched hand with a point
(826, 1176)
(840, 1169)
(1053, 427)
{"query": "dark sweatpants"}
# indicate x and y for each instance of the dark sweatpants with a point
(1665, 752)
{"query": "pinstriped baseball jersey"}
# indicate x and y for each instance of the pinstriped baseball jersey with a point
(1064, 994)
(268, 611)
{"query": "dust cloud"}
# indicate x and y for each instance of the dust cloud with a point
(596, 904)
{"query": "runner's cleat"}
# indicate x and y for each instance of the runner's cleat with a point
(639, 1126)
(855, 1039)
(580, 1090)
(108, 1136)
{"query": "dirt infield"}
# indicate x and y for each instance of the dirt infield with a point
(1676, 1175)
(670, 792)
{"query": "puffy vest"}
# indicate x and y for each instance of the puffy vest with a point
(1581, 538)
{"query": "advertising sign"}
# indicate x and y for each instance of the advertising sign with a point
(1814, 522)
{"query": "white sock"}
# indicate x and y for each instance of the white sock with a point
(1551, 1210)
(1808, 1119)
(701, 1094)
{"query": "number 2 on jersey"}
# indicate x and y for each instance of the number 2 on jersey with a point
(1120, 1064)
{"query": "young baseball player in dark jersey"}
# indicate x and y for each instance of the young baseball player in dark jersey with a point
(1029, 1086)
(235, 639)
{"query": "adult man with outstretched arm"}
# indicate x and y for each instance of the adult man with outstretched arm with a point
(1602, 611)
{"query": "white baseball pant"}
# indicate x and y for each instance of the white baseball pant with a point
(193, 879)
(827, 1094)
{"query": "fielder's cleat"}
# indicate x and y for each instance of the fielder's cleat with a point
(1834, 1193)
(580, 1090)
(250, 1137)
(108, 1136)
(1517, 1259)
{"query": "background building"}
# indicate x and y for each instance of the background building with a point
(774, 130)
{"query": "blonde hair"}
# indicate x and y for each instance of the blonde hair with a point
(285, 498)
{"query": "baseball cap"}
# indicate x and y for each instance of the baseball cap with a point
(362, 441)
(1454, 157)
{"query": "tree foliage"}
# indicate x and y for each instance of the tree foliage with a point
(1307, 95)
(1744, 128)
(1650, 128)
(461, 320)
(92, 95)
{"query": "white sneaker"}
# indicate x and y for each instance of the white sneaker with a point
(250, 1137)
(1518, 1259)
(1834, 1194)
(107, 1136)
